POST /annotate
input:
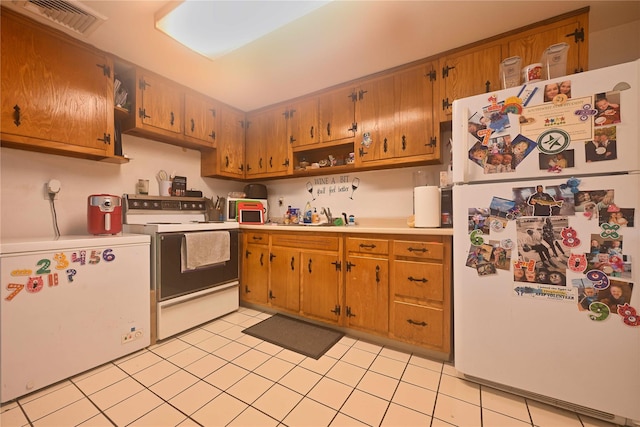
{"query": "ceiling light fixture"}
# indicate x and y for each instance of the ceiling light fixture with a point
(214, 28)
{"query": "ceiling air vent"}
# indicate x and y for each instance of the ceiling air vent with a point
(73, 16)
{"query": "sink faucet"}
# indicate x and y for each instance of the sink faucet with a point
(327, 212)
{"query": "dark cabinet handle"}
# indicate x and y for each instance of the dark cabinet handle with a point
(259, 163)
(271, 296)
(385, 145)
(171, 121)
(106, 138)
(328, 129)
(413, 279)
(257, 237)
(413, 322)
(377, 274)
(309, 265)
(248, 167)
(226, 160)
(423, 250)
(311, 132)
(361, 94)
(246, 289)
(261, 259)
(193, 125)
(338, 265)
(445, 71)
(349, 313)
(286, 162)
(349, 265)
(293, 263)
(106, 70)
(446, 104)
(487, 85)
(271, 257)
(16, 115)
(246, 254)
(213, 135)
(271, 162)
(371, 246)
(404, 142)
(361, 152)
(291, 139)
(336, 310)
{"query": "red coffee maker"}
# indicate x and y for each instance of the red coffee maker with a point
(104, 214)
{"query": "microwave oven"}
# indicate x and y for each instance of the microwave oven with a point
(232, 208)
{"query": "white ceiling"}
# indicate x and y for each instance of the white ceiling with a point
(341, 41)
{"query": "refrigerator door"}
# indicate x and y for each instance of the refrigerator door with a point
(516, 134)
(539, 333)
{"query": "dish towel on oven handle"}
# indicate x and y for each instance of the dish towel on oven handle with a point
(205, 248)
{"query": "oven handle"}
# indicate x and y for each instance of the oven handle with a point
(194, 295)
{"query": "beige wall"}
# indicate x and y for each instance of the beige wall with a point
(614, 45)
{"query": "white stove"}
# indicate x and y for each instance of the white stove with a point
(166, 214)
(182, 296)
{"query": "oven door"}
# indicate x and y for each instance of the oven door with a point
(171, 282)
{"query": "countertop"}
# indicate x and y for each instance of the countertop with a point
(364, 225)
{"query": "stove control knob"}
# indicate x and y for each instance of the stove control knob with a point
(145, 204)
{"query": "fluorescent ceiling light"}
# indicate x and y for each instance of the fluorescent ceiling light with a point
(214, 27)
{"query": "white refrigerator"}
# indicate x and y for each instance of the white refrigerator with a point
(546, 241)
(70, 304)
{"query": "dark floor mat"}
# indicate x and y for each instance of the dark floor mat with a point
(295, 335)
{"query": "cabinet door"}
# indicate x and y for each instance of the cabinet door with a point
(201, 119)
(255, 274)
(285, 278)
(416, 128)
(375, 119)
(259, 130)
(230, 151)
(531, 46)
(303, 122)
(320, 286)
(337, 114)
(54, 91)
(467, 73)
(367, 293)
(162, 103)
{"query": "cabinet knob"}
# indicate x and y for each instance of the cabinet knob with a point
(413, 322)
(16, 115)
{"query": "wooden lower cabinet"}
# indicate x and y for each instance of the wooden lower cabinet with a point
(367, 284)
(255, 267)
(421, 292)
(392, 286)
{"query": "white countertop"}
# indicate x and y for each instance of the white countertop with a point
(364, 225)
(46, 243)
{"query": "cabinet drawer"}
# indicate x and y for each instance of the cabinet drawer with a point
(424, 250)
(368, 246)
(257, 238)
(418, 324)
(306, 241)
(420, 280)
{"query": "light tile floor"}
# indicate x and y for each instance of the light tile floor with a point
(215, 375)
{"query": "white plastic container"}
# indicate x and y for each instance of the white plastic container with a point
(554, 61)
(510, 72)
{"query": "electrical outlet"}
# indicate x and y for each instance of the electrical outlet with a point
(52, 187)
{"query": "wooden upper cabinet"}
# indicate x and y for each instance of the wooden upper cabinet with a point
(161, 103)
(466, 73)
(337, 114)
(416, 125)
(57, 94)
(231, 143)
(574, 31)
(375, 116)
(267, 149)
(200, 119)
(302, 122)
